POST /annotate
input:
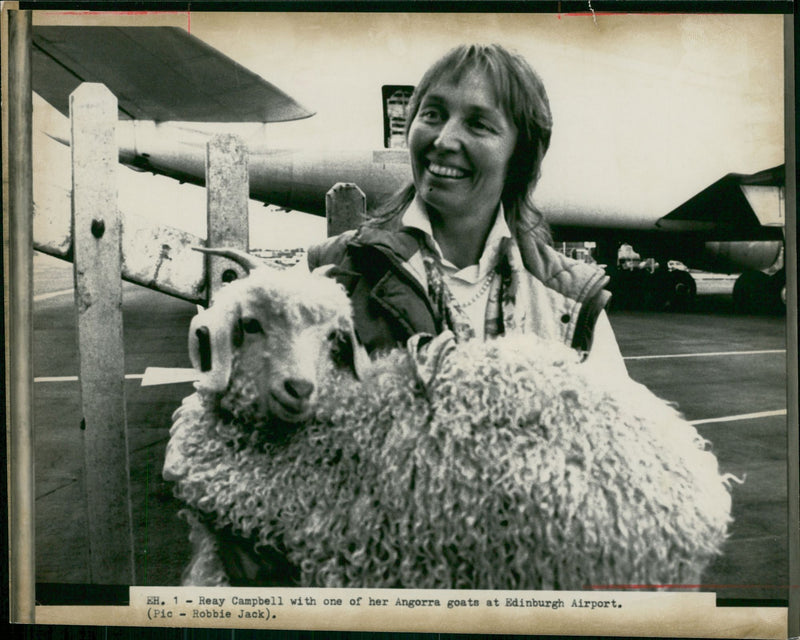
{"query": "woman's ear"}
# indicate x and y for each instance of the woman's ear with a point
(211, 335)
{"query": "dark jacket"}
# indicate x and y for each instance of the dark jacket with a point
(390, 305)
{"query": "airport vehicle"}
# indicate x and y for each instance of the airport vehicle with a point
(173, 89)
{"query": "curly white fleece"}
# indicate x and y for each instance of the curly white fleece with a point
(513, 468)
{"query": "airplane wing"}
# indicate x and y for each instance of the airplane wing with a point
(735, 207)
(157, 73)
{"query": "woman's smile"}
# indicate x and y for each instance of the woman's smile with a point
(444, 171)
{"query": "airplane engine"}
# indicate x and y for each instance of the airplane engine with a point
(736, 257)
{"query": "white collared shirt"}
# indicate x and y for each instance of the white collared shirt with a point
(463, 283)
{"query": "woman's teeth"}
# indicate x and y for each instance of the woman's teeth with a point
(446, 172)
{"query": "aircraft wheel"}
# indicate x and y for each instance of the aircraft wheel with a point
(777, 288)
(752, 293)
(680, 290)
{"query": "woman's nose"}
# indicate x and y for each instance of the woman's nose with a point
(450, 135)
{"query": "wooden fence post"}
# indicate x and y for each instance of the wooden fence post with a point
(98, 293)
(227, 193)
(345, 207)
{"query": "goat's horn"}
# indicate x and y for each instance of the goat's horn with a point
(242, 258)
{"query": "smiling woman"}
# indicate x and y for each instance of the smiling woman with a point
(463, 248)
(461, 142)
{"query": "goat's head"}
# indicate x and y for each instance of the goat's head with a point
(268, 339)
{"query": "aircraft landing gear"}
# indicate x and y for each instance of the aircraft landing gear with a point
(660, 290)
(677, 289)
(758, 292)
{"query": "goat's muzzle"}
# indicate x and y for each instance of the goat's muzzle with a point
(291, 401)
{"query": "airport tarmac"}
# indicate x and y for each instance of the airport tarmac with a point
(725, 371)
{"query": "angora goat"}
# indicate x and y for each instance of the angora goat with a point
(497, 465)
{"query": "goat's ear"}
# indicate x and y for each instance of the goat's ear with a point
(211, 335)
(350, 353)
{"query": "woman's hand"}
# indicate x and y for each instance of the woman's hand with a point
(427, 353)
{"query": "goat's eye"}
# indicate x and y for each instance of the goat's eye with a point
(342, 351)
(251, 325)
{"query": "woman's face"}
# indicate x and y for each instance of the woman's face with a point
(460, 142)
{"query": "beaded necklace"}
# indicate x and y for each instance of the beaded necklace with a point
(487, 282)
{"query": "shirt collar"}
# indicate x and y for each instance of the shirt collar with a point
(415, 217)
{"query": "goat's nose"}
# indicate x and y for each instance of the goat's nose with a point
(300, 389)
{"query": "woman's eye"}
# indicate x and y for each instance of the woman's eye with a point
(251, 325)
(481, 125)
(429, 116)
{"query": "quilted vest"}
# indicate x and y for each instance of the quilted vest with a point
(557, 298)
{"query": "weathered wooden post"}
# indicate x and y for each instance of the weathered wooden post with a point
(345, 207)
(20, 381)
(98, 293)
(228, 191)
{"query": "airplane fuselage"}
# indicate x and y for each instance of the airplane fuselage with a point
(299, 180)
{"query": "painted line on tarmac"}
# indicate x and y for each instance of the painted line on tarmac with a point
(742, 416)
(707, 354)
(151, 377)
(52, 294)
(168, 375)
(128, 376)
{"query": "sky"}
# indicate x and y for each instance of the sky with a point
(648, 109)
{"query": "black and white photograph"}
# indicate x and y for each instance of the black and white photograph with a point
(487, 319)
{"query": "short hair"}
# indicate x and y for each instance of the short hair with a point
(521, 94)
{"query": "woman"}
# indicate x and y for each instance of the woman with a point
(463, 248)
